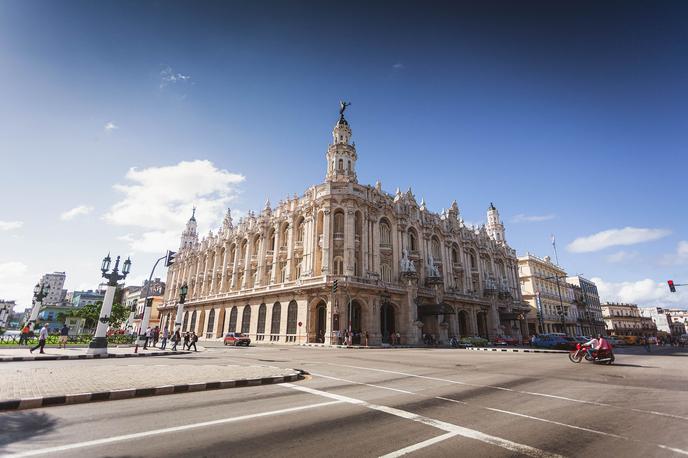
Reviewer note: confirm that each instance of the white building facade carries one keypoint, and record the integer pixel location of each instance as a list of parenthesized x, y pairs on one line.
[(56, 293), (399, 268)]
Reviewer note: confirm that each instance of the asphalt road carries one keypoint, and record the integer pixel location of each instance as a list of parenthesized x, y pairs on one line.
[(425, 402)]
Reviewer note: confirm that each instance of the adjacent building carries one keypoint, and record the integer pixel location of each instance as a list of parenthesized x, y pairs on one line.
[(6, 308), (81, 298), (153, 292), (56, 292), (551, 298), (587, 299), (398, 267), (626, 320)]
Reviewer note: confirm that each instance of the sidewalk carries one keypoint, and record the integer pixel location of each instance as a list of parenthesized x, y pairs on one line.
[(23, 354), (40, 387)]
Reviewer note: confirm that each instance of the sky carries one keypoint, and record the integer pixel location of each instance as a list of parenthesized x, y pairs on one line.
[(116, 118)]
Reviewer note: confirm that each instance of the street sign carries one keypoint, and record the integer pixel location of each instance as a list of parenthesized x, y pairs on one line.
[(300, 324)]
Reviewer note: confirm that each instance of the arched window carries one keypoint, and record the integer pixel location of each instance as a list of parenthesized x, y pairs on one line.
[(340, 165), (283, 272), (339, 223), (276, 316), (232, 320), (454, 255), (338, 265), (474, 265), (262, 310), (348, 166), (299, 265), (413, 246), (246, 320), (291, 317), (386, 271), (271, 243), (211, 321), (385, 234), (192, 326), (186, 320)]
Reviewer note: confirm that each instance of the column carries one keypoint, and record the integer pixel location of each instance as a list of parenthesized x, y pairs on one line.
[(275, 256), (247, 262), (235, 264), (365, 249), (223, 279), (213, 271), (262, 249), (290, 248), (326, 247), (349, 242)]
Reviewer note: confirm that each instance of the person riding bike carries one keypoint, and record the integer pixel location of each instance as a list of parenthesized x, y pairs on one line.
[(599, 344)]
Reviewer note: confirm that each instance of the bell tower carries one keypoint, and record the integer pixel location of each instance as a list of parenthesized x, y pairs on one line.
[(341, 154), (495, 228), (190, 234)]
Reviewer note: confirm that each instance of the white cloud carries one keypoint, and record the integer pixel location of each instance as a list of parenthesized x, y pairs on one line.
[(76, 211), (168, 76), (521, 218), (615, 237), (153, 241), (679, 257), (645, 293), (398, 66), (110, 126), (12, 269), (622, 256), (10, 225), (159, 200)]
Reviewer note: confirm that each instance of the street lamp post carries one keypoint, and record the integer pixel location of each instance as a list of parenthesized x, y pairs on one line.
[(98, 346), (561, 301), (40, 291), (147, 307), (180, 307)]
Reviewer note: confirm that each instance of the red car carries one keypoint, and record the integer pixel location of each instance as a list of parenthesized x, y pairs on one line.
[(506, 340), (236, 339)]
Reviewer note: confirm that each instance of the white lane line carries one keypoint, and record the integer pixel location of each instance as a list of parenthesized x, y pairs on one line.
[(155, 432), (508, 412), (444, 426), (501, 388), (419, 445)]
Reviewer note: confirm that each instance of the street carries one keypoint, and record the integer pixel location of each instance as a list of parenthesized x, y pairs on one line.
[(426, 402)]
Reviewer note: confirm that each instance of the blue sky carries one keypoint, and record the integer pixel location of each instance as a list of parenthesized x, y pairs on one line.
[(571, 118)]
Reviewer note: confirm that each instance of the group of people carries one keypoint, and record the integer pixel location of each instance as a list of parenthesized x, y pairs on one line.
[(27, 333), (153, 335)]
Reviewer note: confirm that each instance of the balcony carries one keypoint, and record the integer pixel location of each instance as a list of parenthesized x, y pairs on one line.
[(338, 236)]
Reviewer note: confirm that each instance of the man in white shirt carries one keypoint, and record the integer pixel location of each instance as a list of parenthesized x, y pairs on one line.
[(42, 337)]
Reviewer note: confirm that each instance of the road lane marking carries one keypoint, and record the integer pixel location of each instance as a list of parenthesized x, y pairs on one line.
[(508, 412), (439, 424), (501, 388), (420, 445), (155, 432)]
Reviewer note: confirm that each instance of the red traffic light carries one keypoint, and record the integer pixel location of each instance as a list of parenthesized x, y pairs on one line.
[(672, 288)]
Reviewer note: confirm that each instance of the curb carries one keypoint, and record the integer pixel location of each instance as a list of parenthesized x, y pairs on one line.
[(515, 350), (114, 395), (358, 347), (7, 359)]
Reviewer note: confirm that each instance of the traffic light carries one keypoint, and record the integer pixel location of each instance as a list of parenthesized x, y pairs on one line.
[(672, 288), (334, 287), (169, 258)]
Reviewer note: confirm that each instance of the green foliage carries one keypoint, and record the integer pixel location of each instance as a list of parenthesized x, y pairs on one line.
[(118, 315), (91, 313), (474, 341)]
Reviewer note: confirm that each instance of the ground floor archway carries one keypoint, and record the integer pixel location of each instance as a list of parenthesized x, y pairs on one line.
[(463, 323), (387, 321), (482, 324)]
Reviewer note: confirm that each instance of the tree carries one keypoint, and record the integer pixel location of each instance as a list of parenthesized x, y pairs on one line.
[(118, 315), (91, 313)]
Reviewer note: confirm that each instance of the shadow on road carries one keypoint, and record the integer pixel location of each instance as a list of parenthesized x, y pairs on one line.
[(24, 425), (632, 365)]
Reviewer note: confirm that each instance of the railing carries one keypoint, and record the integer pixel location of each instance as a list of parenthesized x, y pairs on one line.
[(274, 337), (338, 236)]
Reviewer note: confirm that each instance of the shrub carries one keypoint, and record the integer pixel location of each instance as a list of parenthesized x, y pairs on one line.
[(474, 341)]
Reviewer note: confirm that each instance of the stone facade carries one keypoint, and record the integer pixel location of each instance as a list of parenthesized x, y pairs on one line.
[(399, 268), (626, 320)]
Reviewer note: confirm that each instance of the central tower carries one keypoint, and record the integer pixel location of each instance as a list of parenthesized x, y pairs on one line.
[(341, 154)]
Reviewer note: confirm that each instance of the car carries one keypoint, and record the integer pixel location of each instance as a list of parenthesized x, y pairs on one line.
[(506, 340), (615, 341), (555, 341), (236, 339), (630, 340)]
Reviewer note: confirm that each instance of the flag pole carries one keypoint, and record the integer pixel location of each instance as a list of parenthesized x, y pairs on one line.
[(554, 245)]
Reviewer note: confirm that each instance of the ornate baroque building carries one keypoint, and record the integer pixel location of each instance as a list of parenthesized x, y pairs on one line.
[(398, 267)]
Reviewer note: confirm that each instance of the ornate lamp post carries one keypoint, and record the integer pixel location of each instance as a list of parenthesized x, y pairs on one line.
[(562, 313), (180, 306), (98, 345), (40, 291)]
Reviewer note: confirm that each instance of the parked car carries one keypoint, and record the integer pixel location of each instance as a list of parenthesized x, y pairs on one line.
[(615, 341), (630, 340), (506, 340), (555, 342), (236, 339)]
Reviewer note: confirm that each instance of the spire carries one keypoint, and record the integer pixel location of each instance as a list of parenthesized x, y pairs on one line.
[(193, 214), (227, 222), (341, 154), (495, 228), (190, 234)]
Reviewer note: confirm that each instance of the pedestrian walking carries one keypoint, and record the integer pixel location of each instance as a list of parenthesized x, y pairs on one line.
[(64, 336), (398, 339), (163, 342), (41, 339), (366, 338), (186, 341), (155, 333), (193, 340), (24, 336), (175, 340), (147, 337)]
